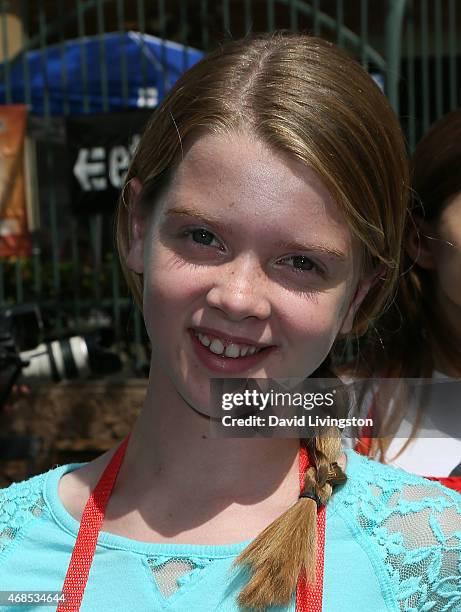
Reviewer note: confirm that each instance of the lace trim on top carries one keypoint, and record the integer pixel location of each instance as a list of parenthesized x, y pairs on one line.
[(20, 503), (416, 527), (173, 574)]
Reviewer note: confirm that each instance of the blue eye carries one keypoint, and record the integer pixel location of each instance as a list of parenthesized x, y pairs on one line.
[(302, 263), (201, 236)]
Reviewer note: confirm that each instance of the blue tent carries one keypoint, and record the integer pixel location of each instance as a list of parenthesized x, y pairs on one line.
[(72, 72)]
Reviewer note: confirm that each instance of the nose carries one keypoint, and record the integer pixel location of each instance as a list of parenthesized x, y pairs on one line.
[(240, 290)]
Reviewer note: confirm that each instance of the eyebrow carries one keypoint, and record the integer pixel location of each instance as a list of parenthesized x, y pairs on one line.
[(289, 245)]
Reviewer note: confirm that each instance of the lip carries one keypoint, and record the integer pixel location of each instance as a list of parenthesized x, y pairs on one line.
[(228, 339), (227, 365)]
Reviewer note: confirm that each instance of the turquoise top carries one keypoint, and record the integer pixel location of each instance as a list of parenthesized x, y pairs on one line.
[(392, 542)]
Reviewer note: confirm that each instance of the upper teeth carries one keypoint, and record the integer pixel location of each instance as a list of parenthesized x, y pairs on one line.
[(232, 350)]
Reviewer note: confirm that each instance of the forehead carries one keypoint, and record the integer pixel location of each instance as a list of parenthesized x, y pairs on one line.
[(247, 183)]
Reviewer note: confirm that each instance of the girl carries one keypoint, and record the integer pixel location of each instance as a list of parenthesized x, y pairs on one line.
[(421, 334), (261, 222)]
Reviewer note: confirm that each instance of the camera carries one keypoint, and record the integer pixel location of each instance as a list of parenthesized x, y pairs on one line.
[(21, 351)]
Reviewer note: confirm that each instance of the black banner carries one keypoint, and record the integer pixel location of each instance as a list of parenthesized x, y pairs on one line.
[(100, 148)]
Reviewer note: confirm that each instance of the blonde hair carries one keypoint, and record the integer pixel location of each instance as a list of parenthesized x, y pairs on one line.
[(306, 98)]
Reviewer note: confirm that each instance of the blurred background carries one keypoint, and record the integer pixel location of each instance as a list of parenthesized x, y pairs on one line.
[(78, 81)]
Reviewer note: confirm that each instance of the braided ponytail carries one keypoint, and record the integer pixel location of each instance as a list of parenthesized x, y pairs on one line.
[(288, 546)]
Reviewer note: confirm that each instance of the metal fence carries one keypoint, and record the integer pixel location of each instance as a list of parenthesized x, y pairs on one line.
[(411, 46)]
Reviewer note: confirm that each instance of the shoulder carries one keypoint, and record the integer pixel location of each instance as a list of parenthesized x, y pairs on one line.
[(361, 467), (411, 527), (20, 495), (390, 489), (20, 504)]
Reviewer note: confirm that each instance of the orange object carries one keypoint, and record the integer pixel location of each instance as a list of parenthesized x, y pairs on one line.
[(14, 233)]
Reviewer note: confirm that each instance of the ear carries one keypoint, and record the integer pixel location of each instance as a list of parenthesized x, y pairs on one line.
[(419, 246), (137, 227), (361, 291)]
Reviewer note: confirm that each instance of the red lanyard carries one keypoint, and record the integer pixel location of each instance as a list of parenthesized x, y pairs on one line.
[(308, 598)]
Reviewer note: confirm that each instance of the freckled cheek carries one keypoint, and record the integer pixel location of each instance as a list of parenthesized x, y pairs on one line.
[(168, 302), (308, 327), (313, 320)]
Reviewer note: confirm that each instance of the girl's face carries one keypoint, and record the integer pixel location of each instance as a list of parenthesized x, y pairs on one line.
[(247, 248)]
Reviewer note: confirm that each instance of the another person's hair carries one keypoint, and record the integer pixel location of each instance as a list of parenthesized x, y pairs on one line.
[(306, 98), (412, 333)]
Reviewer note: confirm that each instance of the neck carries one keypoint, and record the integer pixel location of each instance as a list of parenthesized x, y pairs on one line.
[(170, 449)]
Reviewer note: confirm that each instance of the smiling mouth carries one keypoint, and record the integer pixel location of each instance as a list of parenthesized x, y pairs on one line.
[(224, 364), (222, 348)]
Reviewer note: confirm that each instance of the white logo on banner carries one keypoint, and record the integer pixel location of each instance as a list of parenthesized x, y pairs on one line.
[(95, 167)]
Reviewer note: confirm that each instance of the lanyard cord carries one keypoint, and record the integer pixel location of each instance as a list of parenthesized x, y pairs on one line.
[(87, 537), (308, 597)]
